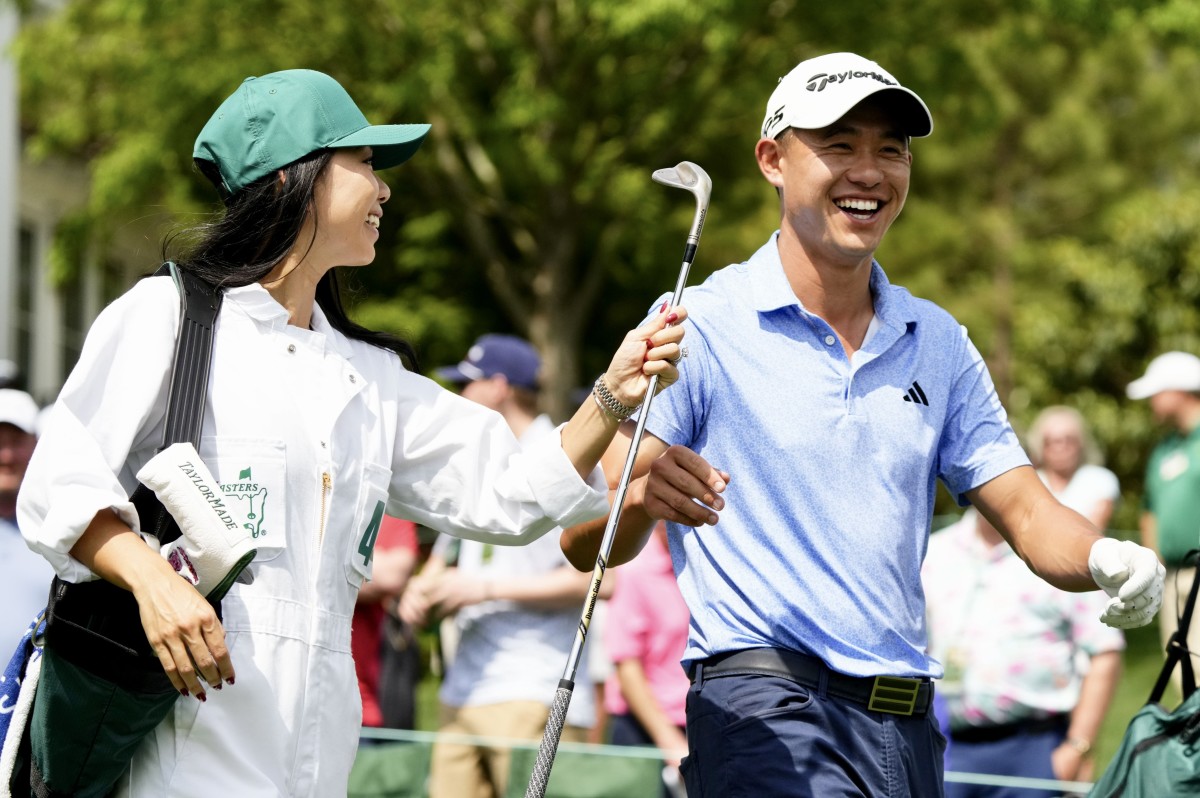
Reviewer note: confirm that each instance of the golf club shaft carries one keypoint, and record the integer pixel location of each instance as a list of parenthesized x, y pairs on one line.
[(540, 776)]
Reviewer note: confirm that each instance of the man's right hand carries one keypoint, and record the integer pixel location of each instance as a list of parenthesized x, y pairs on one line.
[(1132, 576), (683, 488)]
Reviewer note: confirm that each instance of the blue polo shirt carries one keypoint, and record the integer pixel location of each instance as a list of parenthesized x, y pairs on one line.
[(832, 466)]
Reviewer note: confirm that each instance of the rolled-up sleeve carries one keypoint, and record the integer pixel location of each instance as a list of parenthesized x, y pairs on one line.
[(109, 407)]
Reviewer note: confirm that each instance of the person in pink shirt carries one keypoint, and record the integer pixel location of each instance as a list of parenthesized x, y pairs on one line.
[(646, 634)]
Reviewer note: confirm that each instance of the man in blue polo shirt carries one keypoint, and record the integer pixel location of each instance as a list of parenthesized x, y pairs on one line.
[(832, 402)]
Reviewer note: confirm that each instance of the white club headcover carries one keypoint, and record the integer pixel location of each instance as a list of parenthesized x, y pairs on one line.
[(216, 545), (1133, 578)]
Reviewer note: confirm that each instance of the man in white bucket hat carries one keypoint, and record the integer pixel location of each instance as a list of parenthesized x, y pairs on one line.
[(1170, 521)]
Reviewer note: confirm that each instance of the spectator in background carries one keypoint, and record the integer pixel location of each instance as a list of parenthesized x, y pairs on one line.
[(517, 607), (1069, 462), (1170, 521), (1009, 641), (385, 650), (645, 638), (24, 576)]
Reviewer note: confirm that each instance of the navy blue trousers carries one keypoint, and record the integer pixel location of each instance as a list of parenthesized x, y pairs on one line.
[(1026, 755), (766, 736)]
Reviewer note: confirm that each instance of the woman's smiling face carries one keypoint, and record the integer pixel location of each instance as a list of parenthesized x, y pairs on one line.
[(348, 204)]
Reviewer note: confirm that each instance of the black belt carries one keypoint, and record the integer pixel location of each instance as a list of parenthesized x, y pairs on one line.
[(1002, 731), (897, 695)]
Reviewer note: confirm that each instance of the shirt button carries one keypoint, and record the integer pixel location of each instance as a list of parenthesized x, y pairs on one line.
[(291, 348), (352, 378), (829, 339), (322, 444)]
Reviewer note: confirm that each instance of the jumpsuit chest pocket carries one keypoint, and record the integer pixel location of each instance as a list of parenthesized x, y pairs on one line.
[(252, 475), (368, 519)]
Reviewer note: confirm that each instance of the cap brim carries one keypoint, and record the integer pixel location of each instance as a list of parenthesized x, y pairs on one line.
[(1141, 389), (393, 144), (915, 116), (452, 374)]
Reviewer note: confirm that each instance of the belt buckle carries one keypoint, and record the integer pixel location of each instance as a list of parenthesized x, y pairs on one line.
[(894, 694)]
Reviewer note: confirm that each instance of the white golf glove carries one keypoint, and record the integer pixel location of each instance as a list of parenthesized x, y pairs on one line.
[(1133, 578), (215, 546)]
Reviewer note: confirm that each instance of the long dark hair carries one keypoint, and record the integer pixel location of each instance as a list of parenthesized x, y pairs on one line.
[(260, 226)]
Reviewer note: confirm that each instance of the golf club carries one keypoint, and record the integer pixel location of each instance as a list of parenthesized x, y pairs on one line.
[(690, 177)]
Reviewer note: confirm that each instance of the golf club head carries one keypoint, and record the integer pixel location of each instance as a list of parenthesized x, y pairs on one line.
[(689, 177)]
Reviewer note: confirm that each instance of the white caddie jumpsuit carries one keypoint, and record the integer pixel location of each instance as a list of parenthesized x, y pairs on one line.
[(315, 435)]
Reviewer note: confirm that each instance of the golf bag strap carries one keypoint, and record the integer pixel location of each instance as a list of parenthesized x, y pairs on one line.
[(199, 303), (1177, 646)]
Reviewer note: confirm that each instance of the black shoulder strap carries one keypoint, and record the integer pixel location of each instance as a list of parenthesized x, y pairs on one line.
[(1177, 646), (199, 303)]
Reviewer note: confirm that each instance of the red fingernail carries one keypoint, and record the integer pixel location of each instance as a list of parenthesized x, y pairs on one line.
[(202, 697), (183, 692), (674, 317), (663, 308), (229, 680), (649, 344)]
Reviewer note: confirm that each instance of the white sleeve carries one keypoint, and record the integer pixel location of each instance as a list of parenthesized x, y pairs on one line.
[(458, 469), (104, 425), (1105, 484)]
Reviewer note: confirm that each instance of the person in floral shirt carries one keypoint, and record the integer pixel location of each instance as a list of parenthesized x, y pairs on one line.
[(1019, 702)]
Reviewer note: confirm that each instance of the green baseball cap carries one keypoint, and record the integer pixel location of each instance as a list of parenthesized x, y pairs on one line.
[(275, 119)]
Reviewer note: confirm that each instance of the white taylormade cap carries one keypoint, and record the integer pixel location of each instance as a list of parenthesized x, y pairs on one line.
[(821, 90), (1172, 371)]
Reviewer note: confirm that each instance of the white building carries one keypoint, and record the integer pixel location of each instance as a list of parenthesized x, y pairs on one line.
[(42, 323)]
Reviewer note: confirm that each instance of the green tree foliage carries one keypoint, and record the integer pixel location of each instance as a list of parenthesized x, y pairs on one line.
[(1053, 207), (1052, 211), (530, 206)]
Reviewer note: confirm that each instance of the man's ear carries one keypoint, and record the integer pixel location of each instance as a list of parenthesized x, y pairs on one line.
[(768, 153)]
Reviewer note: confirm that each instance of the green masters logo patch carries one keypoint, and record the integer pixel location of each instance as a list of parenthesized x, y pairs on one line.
[(253, 498)]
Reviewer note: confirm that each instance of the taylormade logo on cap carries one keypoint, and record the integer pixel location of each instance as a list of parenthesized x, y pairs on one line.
[(821, 90), (819, 82)]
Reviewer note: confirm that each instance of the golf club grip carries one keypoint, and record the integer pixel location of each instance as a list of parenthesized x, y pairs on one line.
[(540, 777)]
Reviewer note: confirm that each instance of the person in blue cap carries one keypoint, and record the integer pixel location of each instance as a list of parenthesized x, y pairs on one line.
[(317, 424), (511, 611)]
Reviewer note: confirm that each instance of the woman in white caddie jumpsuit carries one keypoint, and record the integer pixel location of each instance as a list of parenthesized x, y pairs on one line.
[(312, 426)]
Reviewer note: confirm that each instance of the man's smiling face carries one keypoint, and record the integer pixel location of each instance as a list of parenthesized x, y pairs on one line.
[(844, 185)]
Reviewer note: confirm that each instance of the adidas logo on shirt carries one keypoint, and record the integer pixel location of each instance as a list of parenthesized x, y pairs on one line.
[(915, 394)]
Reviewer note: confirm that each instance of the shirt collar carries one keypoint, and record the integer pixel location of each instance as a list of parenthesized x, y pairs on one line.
[(771, 290), (259, 305)]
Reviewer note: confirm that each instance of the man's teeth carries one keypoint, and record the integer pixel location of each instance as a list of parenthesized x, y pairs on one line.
[(373, 220), (858, 204)]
